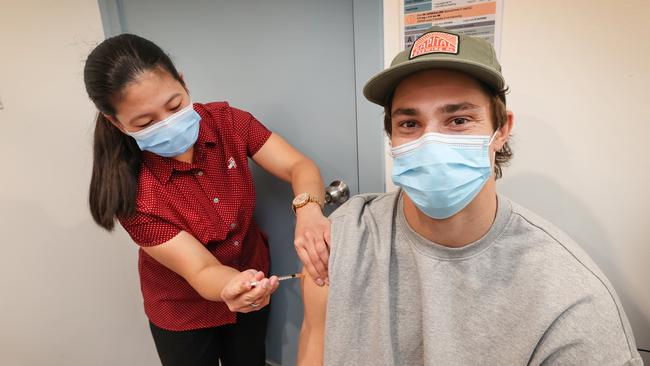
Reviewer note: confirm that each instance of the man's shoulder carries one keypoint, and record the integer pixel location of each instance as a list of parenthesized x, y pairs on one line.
[(542, 236), (551, 245), (569, 275), (361, 226), (372, 205)]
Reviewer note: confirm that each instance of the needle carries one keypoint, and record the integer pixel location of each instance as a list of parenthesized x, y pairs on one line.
[(281, 278)]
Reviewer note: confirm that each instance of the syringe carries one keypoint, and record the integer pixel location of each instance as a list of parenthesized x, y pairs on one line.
[(281, 278)]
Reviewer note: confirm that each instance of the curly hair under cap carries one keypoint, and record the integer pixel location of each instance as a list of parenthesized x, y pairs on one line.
[(499, 114)]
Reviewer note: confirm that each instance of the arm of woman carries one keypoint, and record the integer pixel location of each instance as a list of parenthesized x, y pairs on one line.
[(312, 333), (187, 257), (312, 234)]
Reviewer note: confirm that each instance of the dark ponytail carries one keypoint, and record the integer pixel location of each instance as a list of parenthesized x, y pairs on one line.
[(110, 67), (114, 180)]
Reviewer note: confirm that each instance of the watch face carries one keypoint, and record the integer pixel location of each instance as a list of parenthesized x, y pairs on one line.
[(301, 199)]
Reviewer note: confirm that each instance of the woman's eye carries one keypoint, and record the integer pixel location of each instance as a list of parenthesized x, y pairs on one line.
[(177, 107)]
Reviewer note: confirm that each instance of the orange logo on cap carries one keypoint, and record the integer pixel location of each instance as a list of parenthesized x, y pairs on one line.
[(435, 42)]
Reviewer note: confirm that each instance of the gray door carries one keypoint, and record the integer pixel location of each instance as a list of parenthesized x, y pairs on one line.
[(298, 66)]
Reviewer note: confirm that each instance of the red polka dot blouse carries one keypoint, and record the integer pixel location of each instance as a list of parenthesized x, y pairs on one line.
[(213, 199)]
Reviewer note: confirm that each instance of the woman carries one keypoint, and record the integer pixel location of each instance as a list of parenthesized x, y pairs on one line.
[(175, 174)]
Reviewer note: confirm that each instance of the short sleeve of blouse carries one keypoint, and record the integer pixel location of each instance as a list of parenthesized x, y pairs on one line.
[(147, 230), (250, 130)]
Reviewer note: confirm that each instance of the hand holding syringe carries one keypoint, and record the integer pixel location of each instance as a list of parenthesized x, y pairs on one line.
[(241, 296), (254, 292)]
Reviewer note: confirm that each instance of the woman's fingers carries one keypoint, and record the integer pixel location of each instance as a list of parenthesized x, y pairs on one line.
[(323, 252), (249, 291), (238, 285), (263, 289), (307, 263), (312, 242), (328, 245), (313, 249), (258, 296), (259, 304), (327, 235), (301, 250), (312, 246), (275, 282)]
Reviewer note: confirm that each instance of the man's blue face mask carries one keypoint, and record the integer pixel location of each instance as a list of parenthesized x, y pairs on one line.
[(172, 136), (442, 173)]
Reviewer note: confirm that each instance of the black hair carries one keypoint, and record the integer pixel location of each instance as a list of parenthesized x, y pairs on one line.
[(109, 68)]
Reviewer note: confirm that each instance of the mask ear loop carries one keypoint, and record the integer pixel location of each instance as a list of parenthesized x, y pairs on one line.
[(494, 135)]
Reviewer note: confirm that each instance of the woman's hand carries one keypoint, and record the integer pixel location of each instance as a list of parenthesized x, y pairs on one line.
[(312, 241), (240, 295), (312, 228)]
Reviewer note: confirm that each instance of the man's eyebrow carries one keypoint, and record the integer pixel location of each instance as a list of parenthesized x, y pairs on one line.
[(405, 112), (452, 108)]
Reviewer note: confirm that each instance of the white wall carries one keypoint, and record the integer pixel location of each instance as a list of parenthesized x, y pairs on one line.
[(579, 75), (70, 292)]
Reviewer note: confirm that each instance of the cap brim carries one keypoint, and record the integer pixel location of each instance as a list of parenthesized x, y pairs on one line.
[(381, 85)]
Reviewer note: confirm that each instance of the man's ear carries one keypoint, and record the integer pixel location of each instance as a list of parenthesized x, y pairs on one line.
[(115, 122), (504, 132)]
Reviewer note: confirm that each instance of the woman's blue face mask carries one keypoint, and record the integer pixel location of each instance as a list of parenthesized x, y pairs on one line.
[(442, 173), (172, 136)]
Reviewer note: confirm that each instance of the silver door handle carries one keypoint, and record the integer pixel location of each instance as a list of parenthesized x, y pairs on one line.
[(337, 193)]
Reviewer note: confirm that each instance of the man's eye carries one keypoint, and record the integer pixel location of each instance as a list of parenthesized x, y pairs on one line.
[(177, 107), (459, 121), (408, 124)]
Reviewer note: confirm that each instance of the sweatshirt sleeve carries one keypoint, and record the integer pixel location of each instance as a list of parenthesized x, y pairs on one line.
[(589, 332)]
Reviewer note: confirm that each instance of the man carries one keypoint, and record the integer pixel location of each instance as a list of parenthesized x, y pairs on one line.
[(445, 271)]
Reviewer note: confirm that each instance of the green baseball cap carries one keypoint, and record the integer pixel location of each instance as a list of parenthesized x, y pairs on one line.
[(438, 48)]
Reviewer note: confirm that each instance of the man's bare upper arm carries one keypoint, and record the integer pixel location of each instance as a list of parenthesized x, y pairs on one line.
[(314, 299), (312, 335)]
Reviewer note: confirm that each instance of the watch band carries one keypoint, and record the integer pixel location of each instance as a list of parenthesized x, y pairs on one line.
[(309, 198)]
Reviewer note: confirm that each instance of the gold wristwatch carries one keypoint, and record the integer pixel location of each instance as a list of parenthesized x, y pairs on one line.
[(303, 199)]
